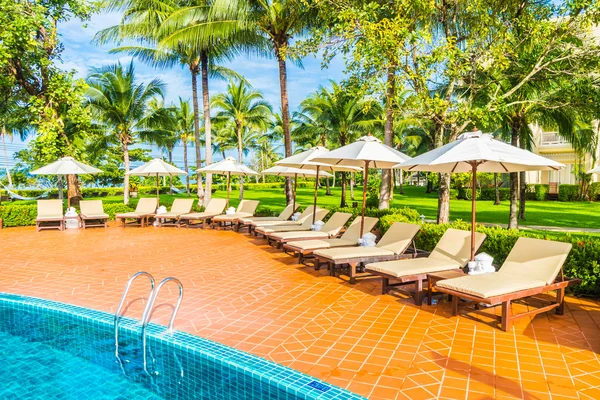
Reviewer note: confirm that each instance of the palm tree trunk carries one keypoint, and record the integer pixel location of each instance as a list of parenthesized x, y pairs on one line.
[(514, 179), (352, 186), (73, 192), (497, 190), (522, 194), (343, 197), (194, 72), (240, 155), (207, 125), (285, 117), (8, 176), (170, 176), (185, 165), (327, 187), (443, 212), (126, 179), (388, 138)]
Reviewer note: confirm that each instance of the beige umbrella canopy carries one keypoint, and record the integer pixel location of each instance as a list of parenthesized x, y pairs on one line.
[(66, 166), (595, 170), (368, 152), (294, 173), (228, 166), (306, 160), (156, 167), (475, 151)]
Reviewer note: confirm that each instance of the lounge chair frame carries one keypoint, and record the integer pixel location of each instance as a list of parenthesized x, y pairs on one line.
[(40, 227), (96, 222), (507, 318), (305, 253), (172, 220), (350, 264), (187, 222)]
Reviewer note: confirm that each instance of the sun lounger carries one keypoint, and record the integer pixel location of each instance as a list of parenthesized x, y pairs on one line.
[(451, 252), (305, 248), (179, 208), (245, 209), (285, 215), (145, 209), (532, 267), (92, 214), (330, 229), (307, 213), (49, 211), (215, 207), (392, 246), (305, 226)]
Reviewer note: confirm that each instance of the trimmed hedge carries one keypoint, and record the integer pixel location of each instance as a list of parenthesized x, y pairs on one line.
[(24, 214), (583, 261), (568, 192)]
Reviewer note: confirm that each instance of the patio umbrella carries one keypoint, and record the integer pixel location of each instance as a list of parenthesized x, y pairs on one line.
[(228, 166), (595, 170), (156, 167), (305, 160), (367, 152), (66, 166), (294, 173), (473, 152)]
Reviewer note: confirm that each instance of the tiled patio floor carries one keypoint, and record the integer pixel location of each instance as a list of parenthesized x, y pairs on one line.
[(242, 293)]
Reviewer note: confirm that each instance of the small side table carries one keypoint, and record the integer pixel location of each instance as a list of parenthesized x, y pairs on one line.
[(75, 218), (439, 276)]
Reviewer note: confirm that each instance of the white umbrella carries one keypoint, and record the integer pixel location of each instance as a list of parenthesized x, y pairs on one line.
[(474, 151), (368, 151), (294, 173), (66, 166), (228, 166), (156, 167), (595, 170), (305, 160)]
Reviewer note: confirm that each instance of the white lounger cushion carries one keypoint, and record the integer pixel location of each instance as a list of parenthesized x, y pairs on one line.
[(414, 266), (321, 244), (342, 253), (490, 285), (266, 230), (231, 217), (293, 235)]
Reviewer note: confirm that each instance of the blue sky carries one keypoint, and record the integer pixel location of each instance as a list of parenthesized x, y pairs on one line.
[(80, 54)]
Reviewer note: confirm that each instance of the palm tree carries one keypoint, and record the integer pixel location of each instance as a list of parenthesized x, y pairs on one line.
[(11, 124), (247, 113), (143, 22), (184, 120), (252, 24), (122, 107), (338, 118)]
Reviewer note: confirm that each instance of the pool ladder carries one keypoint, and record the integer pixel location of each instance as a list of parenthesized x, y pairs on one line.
[(154, 291)]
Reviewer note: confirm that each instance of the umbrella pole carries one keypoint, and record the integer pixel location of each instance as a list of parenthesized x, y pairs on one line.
[(316, 191), (364, 204), (228, 188), (157, 197), (295, 186), (473, 209)]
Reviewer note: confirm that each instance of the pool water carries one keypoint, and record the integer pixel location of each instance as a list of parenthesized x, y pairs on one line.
[(51, 350)]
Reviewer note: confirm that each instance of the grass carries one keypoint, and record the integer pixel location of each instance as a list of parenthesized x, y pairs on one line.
[(540, 213)]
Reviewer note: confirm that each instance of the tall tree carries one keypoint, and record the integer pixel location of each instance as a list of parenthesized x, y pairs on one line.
[(247, 112), (184, 119), (121, 106)]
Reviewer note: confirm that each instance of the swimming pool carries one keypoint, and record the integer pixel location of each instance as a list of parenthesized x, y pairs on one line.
[(57, 351)]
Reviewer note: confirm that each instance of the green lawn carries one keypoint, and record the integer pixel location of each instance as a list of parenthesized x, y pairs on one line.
[(542, 213)]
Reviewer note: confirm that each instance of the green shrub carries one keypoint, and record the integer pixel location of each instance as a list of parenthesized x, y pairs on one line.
[(595, 191), (490, 194), (265, 212), (583, 261), (568, 192), (18, 215), (541, 191), (115, 208), (387, 220)]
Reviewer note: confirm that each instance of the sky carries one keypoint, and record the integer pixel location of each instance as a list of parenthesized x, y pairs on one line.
[(80, 54)]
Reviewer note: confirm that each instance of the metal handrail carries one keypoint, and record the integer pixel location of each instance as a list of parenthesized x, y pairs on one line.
[(118, 312), (147, 312)]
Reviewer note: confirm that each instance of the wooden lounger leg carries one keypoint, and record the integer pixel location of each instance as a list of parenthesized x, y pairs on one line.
[(560, 300), (419, 292), (385, 283), (506, 316), (455, 301), (352, 271), (317, 264)]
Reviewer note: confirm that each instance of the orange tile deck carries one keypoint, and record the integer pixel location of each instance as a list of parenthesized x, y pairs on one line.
[(240, 292)]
